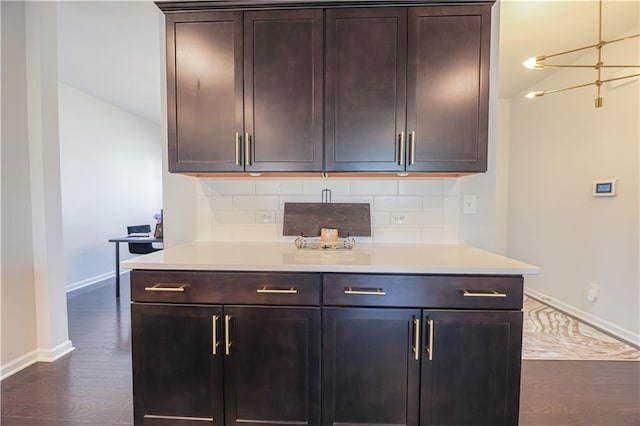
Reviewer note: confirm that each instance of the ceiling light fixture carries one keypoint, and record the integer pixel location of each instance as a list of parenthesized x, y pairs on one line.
[(538, 62)]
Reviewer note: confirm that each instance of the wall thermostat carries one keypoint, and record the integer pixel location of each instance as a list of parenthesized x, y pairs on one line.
[(604, 188)]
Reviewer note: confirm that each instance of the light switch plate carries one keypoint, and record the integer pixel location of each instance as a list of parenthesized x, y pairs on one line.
[(469, 204)]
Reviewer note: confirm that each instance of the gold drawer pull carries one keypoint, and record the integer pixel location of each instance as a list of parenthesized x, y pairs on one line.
[(166, 287), (430, 347), (492, 293), (291, 290), (365, 291), (227, 338), (214, 325), (416, 338)]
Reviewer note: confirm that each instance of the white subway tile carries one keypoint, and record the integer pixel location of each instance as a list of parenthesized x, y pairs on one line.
[(255, 202), (255, 233), (374, 187), (233, 186), (396, 235), (203, 187), (452, 211), (425, 218), (278, 187), (432, 202), (233, 217), (450, 234), (451, 187), (399, 203), (203, 219), (432, 236), (420, 187), (315, 186), (380, 219), (296, 199), (221, 202), (354, 199), (221, 233)]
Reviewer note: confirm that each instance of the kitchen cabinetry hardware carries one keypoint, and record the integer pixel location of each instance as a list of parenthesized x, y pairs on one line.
[(166, 287), (416, 338), (238, 163), (365, 291), (291, 290), (492, 293), (401, 153), (412, 148), (227, 339), (430, 347), (214, 325), (247, 152)]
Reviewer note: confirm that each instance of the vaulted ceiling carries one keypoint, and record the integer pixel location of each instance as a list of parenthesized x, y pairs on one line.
[(111, 49)]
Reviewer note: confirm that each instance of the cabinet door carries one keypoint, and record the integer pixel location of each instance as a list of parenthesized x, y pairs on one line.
[(473, 374), (272, 372), (283, 69), (448, 88), (204, 95), (370, 374), (365, 89), (177, 378)]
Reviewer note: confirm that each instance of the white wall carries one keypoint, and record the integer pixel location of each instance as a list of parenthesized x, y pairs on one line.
[(111, 172), (34, 302), (18, 282), (559, 145)]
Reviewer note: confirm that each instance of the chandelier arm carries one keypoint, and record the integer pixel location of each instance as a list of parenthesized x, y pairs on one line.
[(577, 86), (621, 39), (591, 46), (620, 78)]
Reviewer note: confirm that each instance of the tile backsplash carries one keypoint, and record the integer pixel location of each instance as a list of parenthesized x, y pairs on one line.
[(233, 209)]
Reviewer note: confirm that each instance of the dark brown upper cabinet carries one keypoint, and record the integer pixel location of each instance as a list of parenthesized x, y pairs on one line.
[(366, 71), (407, 89), (245, 91)]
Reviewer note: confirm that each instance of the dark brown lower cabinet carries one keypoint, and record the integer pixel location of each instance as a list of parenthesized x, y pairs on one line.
[(471, 368), (370, 372), (331, 349), (197, 365)]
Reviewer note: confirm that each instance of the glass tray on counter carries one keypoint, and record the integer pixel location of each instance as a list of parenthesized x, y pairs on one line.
[(315, 243)]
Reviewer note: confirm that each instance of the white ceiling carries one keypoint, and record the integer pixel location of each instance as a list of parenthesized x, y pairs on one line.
[(111, 49)]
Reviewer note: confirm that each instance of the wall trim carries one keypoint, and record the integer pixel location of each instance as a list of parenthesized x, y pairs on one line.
[(93, 280), (18, 364), (30, 358), (50, 355), (607, 327)]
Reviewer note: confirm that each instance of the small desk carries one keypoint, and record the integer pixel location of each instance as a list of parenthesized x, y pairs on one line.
[(128, 239)]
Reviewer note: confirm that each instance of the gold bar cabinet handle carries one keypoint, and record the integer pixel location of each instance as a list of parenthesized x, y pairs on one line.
[(238, 163), (416, 338), (266, 290), (166, 287), (365, 292), (401, 149), (247, 149), (492, 293), (227, 340), (412, 148), (430, 347), (214, 324)]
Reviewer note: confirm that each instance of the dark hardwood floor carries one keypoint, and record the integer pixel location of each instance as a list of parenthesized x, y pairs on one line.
[(92, 385)]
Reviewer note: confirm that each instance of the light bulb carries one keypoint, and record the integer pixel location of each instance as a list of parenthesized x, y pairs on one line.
[(532, 95), (530, 63)]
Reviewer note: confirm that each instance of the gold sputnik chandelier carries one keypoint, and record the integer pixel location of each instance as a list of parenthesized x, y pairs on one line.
[(539, 62)]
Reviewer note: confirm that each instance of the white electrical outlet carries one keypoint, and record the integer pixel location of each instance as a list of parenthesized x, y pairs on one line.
[(399, 218), (266, 217), (592, 292), (469, 204)]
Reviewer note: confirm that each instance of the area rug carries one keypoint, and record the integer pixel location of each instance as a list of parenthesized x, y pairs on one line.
[(551, 334)]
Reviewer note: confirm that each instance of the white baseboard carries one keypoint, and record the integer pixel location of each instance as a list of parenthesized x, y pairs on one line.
[(39, 355), (50, 355), (606, 326), (93, 280), (12, 367)]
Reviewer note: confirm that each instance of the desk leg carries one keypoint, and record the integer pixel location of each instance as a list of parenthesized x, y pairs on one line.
[(117, 269)]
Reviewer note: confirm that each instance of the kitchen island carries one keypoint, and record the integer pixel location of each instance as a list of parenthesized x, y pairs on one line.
[(265, 333)]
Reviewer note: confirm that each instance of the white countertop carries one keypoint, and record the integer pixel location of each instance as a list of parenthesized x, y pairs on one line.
[(364, 258)]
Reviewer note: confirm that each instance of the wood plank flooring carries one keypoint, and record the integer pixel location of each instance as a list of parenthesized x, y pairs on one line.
[(92, 385)]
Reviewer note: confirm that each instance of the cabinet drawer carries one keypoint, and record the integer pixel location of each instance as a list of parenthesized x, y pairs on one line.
[(262, 288), (423, 291)]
